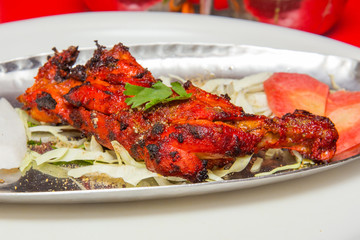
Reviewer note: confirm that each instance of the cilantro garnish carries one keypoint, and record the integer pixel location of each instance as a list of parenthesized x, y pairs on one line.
[(75, 162), (33, 142), (157, 93), (30, 124)]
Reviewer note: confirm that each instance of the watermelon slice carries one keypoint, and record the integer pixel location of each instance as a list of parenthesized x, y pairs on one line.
[(287, 92), (343, 109)]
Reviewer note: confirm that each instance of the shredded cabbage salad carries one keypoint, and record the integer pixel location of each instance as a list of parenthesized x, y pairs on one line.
[(67, 154)]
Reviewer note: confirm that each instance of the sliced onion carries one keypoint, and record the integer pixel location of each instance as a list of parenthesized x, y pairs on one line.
[(12, 137)]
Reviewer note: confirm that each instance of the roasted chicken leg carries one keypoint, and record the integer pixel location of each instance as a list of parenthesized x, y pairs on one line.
[(182, 138)]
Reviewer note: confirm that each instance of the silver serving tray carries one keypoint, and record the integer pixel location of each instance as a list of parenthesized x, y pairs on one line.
[(186, 61)]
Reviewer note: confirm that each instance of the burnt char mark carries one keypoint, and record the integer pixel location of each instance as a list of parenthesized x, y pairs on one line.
[(236, 150), (70, 99), (225, 115), (134, 150), (110, 61), (45, 101), (78, 73), (122, 47), (123, 126), (196, 132), (60, 76), (174, 168), (142, 74), (63, 65), (137, 149), (76, 118), (154, 152), (174, 155), (187, 85), (96, 61), (111, 135), (141, 143), (178, 136), (96, 58), (202, 175), (226, 96), (158, 128)]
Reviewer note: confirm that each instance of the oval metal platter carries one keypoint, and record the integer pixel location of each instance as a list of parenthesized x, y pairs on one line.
[(186, 61)]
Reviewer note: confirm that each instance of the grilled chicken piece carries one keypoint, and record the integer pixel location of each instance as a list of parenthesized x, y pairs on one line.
[(182, 138)]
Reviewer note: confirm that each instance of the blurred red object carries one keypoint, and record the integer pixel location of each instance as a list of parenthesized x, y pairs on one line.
[(218, 4), (347, 28), (316, 16), (120, 5), (12, 10)]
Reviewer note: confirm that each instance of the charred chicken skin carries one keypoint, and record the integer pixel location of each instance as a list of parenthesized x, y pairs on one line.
[(183, 138)]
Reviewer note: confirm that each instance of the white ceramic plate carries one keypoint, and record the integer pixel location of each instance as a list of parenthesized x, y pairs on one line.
[(322, 206), (187, 61)]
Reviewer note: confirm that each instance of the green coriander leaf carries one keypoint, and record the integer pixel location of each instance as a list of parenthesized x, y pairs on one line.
[(158, 93), (33, 142), (153, 103), (132, 89), (75, 162), (180, 90), (30, 124), (142, 95)]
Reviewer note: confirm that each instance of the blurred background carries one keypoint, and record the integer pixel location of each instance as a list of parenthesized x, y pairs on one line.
[(337, 19)]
